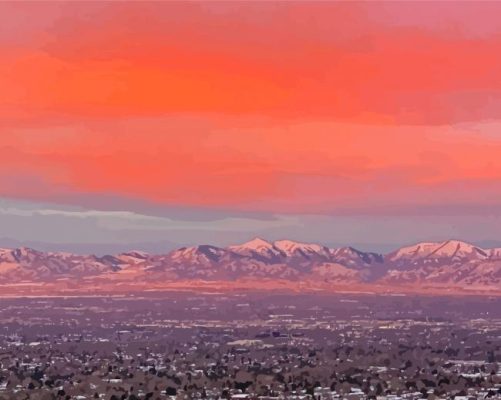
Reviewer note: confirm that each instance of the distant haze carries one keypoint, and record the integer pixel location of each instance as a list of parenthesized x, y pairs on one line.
[(54, 227)]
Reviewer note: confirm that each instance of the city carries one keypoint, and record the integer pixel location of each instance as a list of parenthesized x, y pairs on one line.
[(250, 346)]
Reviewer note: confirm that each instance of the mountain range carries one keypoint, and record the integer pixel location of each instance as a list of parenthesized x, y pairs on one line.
[(451, 264)]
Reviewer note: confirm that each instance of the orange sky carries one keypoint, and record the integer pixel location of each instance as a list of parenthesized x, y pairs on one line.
[(276, 107)]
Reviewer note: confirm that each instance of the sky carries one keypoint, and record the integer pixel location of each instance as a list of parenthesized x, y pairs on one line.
[(138, 125)]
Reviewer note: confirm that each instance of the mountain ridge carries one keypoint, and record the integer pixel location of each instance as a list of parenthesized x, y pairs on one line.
[(451, 263)]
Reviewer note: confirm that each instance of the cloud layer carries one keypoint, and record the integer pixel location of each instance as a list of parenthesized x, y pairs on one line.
[(252, 111)]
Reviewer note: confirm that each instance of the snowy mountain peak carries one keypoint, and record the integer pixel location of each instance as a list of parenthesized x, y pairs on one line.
[(289, 247), (259, 249), (197, 251), (346, 250), (352, 256), (417, 250), (255, 244)]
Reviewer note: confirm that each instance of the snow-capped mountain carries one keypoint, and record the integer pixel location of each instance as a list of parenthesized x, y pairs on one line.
[(25, 264), (435, 253), (450, 263), (446, 264)]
